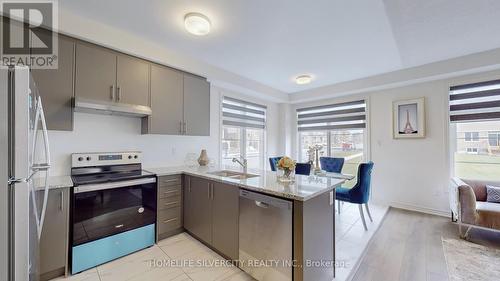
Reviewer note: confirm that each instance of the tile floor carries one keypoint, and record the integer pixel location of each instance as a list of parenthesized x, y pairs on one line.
[(171, 256), (352, 239)]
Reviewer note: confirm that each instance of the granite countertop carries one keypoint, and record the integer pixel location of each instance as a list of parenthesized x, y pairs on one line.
[(55, 182), (304, 187)]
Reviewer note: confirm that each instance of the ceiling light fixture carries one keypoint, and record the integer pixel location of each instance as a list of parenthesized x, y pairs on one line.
[(303, 79), (197, 24)]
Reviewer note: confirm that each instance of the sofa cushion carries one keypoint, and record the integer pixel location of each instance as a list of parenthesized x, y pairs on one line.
[(488, 214), (492, 194), (479, 187)]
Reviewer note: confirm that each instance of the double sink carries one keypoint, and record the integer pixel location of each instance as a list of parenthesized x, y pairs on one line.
[(233, 174)]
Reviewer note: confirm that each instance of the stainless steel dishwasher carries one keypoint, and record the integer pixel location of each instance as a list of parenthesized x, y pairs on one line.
[(266, 243)]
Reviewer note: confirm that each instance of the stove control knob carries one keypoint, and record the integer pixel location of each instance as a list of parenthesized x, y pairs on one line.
[(89, 158), (135, 157), (80, 159), (130, 157)]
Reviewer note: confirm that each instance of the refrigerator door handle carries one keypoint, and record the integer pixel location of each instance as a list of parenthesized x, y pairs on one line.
[(46, 165), (40, 116)]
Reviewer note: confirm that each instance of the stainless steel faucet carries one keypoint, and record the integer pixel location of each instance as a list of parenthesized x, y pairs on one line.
[(243, 164)]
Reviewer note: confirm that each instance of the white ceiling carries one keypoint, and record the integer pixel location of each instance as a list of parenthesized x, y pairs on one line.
[(272, 41)]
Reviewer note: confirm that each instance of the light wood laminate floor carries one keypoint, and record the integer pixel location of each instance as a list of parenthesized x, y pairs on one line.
[(408, 247)]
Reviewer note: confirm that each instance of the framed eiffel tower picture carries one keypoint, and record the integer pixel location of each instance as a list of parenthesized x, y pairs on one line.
[(408, 119)]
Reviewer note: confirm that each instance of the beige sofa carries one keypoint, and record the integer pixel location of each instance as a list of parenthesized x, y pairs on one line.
[(469, 206)]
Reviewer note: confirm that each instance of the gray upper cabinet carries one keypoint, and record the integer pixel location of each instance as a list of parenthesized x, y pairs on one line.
[(225, 219), (196, 106), (180, 104), (132, 84), (166, 102), (95, 72), (55, 233), (56, 86)]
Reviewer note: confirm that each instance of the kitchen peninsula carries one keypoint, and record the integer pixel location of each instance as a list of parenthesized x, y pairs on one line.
[(213, 210)]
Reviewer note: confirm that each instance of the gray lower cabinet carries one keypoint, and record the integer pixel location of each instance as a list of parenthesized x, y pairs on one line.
[(132, 81), (56, 86), (211, 212), (169, 216), (225, 219), (199, 209), (196, 106), (166, 102), (95, 75), (55, 234)]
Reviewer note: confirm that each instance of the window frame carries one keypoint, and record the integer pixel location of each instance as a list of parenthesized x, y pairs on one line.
[(243, 136), (329, 142)]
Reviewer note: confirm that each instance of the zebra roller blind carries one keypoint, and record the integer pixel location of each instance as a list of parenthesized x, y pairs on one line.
[(242, 113), (475, 102), (346, 115)]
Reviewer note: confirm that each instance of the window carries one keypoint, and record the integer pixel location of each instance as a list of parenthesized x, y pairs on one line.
[(475, 130), (494, 139), (243, 132), (308, 139), (339, 128), (471, 136), (472, 150)]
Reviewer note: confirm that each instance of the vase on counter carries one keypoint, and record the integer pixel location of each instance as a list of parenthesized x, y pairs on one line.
[(286, 169), (203, 159), (286, 175)]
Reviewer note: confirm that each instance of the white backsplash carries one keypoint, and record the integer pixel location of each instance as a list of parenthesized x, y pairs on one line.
[(104, 133)]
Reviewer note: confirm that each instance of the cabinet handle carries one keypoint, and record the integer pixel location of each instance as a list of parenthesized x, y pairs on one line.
[(181, 128), (170, 204), (112, 92), (170, 220), (209, 191), (62, 201), (169, 192), (167, 181), (119, 94), (185, 128), (189, 184)]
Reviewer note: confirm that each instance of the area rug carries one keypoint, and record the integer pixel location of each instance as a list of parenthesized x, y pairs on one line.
[(471, 262)]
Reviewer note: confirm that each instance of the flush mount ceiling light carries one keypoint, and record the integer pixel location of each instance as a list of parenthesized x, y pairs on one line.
[(303, 79), (197, 24)]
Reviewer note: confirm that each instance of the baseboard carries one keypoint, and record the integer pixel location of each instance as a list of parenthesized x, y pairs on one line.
[(430, 211)]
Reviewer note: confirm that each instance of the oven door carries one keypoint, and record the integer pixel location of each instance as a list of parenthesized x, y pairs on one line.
[(102, 210)]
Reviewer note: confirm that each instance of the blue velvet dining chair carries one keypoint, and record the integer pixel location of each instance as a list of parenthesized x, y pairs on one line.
[(303, 169), (273, 161), (331, 164), (360, 193)]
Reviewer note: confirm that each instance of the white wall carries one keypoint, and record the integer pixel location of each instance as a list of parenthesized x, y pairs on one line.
[(101, 133), (409, 173)]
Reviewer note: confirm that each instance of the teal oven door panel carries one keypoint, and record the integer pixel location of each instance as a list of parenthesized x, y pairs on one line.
[(97, 252)]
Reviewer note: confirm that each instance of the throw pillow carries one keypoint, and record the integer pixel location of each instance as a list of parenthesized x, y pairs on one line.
[(493, 194)]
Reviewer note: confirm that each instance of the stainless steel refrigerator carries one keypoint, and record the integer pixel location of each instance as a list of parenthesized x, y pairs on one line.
[(24, 166)]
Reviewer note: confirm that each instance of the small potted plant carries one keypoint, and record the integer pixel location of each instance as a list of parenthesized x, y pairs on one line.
[(286, 169)]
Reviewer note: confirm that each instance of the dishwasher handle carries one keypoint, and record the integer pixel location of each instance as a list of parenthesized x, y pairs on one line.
[(266, 201), (261, 204)]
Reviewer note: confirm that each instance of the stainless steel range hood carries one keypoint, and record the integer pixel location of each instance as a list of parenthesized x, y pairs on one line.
[(111, 108)]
